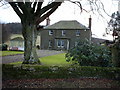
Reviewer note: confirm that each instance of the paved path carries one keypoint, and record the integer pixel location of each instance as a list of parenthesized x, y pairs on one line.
[(41, 53)]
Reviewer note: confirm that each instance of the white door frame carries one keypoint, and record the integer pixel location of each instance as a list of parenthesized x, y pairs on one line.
[(68, 44)]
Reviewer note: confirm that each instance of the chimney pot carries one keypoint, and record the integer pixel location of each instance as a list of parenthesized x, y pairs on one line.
[(90, 22), (47, 21)]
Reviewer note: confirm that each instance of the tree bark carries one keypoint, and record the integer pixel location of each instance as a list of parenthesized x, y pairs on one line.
[(116, 54), (30, 36)]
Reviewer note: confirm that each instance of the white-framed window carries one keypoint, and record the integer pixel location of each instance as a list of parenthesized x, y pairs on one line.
[(50, 32), (77, 32), (63, 32), (60, 43), (50, 43), (76, 43)]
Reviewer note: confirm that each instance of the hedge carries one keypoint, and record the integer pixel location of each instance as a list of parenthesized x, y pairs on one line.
[(39, 71)]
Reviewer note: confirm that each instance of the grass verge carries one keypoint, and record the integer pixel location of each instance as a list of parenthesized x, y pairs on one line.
[(54, 60), (5, 53)]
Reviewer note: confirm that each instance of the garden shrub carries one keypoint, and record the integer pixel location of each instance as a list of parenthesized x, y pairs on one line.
[(89, 54), (3, 47)]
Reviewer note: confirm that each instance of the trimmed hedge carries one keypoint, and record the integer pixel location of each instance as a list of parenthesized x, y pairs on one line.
[(30, 71)]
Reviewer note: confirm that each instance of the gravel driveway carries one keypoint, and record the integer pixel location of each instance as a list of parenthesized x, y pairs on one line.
[(41, 53)]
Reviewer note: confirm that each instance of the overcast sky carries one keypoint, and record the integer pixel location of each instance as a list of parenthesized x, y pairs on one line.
[(70, 11)]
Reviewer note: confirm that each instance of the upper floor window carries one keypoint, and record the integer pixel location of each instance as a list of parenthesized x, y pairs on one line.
[(63, 33), (78, 33), (50, 32)]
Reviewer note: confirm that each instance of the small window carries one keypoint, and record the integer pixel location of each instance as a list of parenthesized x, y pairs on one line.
[(50, 43), (63, 33), (50, 32), (78, 33)]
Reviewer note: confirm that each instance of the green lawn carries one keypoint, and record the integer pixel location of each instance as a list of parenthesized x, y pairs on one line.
[(54, 60), (5, 53)]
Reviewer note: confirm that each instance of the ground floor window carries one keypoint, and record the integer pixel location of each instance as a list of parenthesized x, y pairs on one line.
[(50, 43), (76, 43), (60, 43)]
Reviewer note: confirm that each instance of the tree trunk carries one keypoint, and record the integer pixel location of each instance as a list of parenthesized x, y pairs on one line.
[(30, 36), (116, 54)]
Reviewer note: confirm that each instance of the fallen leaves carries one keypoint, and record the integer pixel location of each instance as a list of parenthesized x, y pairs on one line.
[(61, 83)]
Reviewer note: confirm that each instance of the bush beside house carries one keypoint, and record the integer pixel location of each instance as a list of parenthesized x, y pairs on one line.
[(89, 54)]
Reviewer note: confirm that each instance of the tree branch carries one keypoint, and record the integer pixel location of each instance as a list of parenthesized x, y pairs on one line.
[(38, 8), (48, 7), (16, 9), (23, 7), (28, 4), (34, 5), (39, 20), (78, 4)]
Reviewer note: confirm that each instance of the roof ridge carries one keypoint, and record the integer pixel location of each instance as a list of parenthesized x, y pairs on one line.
[(67, 24)]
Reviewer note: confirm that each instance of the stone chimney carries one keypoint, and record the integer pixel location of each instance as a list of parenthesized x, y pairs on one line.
[(47, 21), (90, 22)]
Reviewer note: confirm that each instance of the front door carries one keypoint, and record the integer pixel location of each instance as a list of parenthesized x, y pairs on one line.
[(62, 44)]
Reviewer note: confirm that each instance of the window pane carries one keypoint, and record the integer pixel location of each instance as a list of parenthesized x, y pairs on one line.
[(76, 43), (63, 32), (50, 43), (62, 43), (59, 43), (78, 33), (50, 32)]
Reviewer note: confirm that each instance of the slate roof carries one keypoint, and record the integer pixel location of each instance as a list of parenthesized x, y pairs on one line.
[(67, 25), (97, 40)]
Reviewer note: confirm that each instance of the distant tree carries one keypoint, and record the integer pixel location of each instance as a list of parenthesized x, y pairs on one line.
[(5, 33), (16, 28), (114, 27), (9, 29)]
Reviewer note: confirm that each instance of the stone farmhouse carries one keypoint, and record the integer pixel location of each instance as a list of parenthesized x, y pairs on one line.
[(64, 35)]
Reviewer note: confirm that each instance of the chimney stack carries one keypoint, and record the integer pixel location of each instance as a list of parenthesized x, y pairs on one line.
[(47, 21), (90, 22)]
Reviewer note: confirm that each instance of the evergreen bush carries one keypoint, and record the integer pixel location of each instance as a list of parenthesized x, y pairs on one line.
[(89, 54)]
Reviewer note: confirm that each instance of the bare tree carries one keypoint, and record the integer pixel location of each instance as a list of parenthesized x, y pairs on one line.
[(5, 33), (114, 27), (31, 15)]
